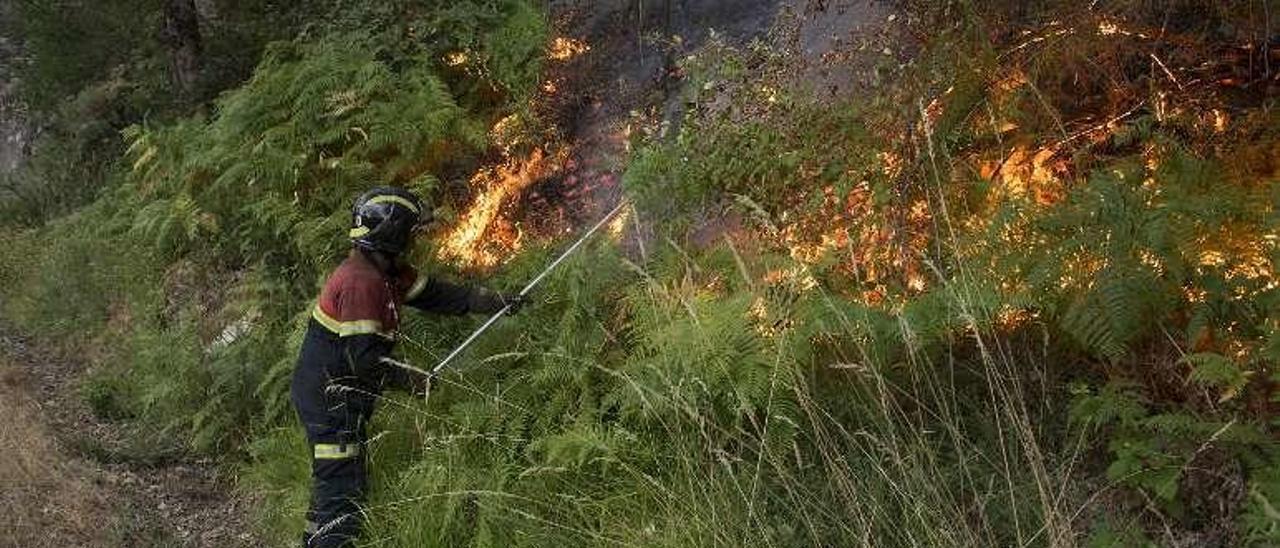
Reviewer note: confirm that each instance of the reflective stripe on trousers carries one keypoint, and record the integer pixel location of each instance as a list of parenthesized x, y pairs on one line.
[(330, 451)]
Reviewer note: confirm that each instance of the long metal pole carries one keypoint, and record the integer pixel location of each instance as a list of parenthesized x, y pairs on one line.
[(527, 288)]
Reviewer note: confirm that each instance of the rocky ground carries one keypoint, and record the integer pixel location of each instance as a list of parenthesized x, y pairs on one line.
[(72, 479)]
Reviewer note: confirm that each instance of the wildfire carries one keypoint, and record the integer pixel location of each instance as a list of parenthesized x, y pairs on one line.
[(1025, 173), (507, 133), (485, 233), (564, 49), (1009, 318), (1220, 121), (482, 237), (878, 252), (766, 324), (456, 58), (1107, 27), (618, 225), (796, 277)]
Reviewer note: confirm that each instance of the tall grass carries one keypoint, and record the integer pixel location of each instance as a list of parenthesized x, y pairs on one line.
[(668, 416)]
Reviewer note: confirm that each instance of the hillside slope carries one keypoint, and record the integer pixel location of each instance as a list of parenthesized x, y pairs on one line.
[(929, 273)]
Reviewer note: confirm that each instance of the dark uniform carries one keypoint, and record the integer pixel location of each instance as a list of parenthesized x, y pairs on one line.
[(339, 375)]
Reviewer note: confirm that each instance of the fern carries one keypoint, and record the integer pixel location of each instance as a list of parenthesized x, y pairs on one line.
[(1218, 372)]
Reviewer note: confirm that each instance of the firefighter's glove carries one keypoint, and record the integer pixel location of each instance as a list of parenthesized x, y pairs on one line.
[(513, 301), (488, 302), (420, 385)]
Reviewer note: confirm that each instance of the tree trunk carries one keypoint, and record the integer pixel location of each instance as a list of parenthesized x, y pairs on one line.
[(181, 33)]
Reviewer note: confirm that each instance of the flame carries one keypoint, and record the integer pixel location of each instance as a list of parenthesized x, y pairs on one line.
[(796, 277), (618, 226), (765, 322), (1026, 173), (769, 93), (1009, 318), (507, 133), (456, 58), (892, 163), (1220, 121), (564, 49), (483, 236), (1212, 257), (1107, 27)]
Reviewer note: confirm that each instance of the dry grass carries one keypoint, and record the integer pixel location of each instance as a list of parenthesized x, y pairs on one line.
[(48, 497)]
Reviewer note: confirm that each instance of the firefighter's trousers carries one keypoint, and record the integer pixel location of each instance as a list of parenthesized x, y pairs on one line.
[(334, 412)]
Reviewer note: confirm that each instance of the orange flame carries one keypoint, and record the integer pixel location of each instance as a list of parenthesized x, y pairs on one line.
[(483, 236), (1035, 174), (877, 251), (618, 226), (563, 49)]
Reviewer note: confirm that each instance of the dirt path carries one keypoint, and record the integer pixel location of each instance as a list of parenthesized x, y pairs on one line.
[(68, 478)]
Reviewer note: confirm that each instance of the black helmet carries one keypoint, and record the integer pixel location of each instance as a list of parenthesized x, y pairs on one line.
[(383, 219)]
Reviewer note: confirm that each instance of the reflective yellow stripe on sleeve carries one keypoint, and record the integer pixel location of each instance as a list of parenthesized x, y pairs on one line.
[(348, 328), (334, 451)]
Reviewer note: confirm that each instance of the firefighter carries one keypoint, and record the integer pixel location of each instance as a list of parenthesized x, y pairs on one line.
[(340, 371)]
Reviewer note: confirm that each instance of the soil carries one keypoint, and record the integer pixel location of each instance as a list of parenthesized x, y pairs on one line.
[(73, 479)]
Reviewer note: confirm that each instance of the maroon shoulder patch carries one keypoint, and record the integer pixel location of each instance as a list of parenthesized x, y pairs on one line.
[(357, 300)]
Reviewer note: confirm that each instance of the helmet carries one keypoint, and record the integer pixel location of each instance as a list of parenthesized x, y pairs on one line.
[(383, 219)]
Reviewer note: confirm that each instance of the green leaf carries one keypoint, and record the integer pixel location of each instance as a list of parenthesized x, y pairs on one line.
[(1218, 372)]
